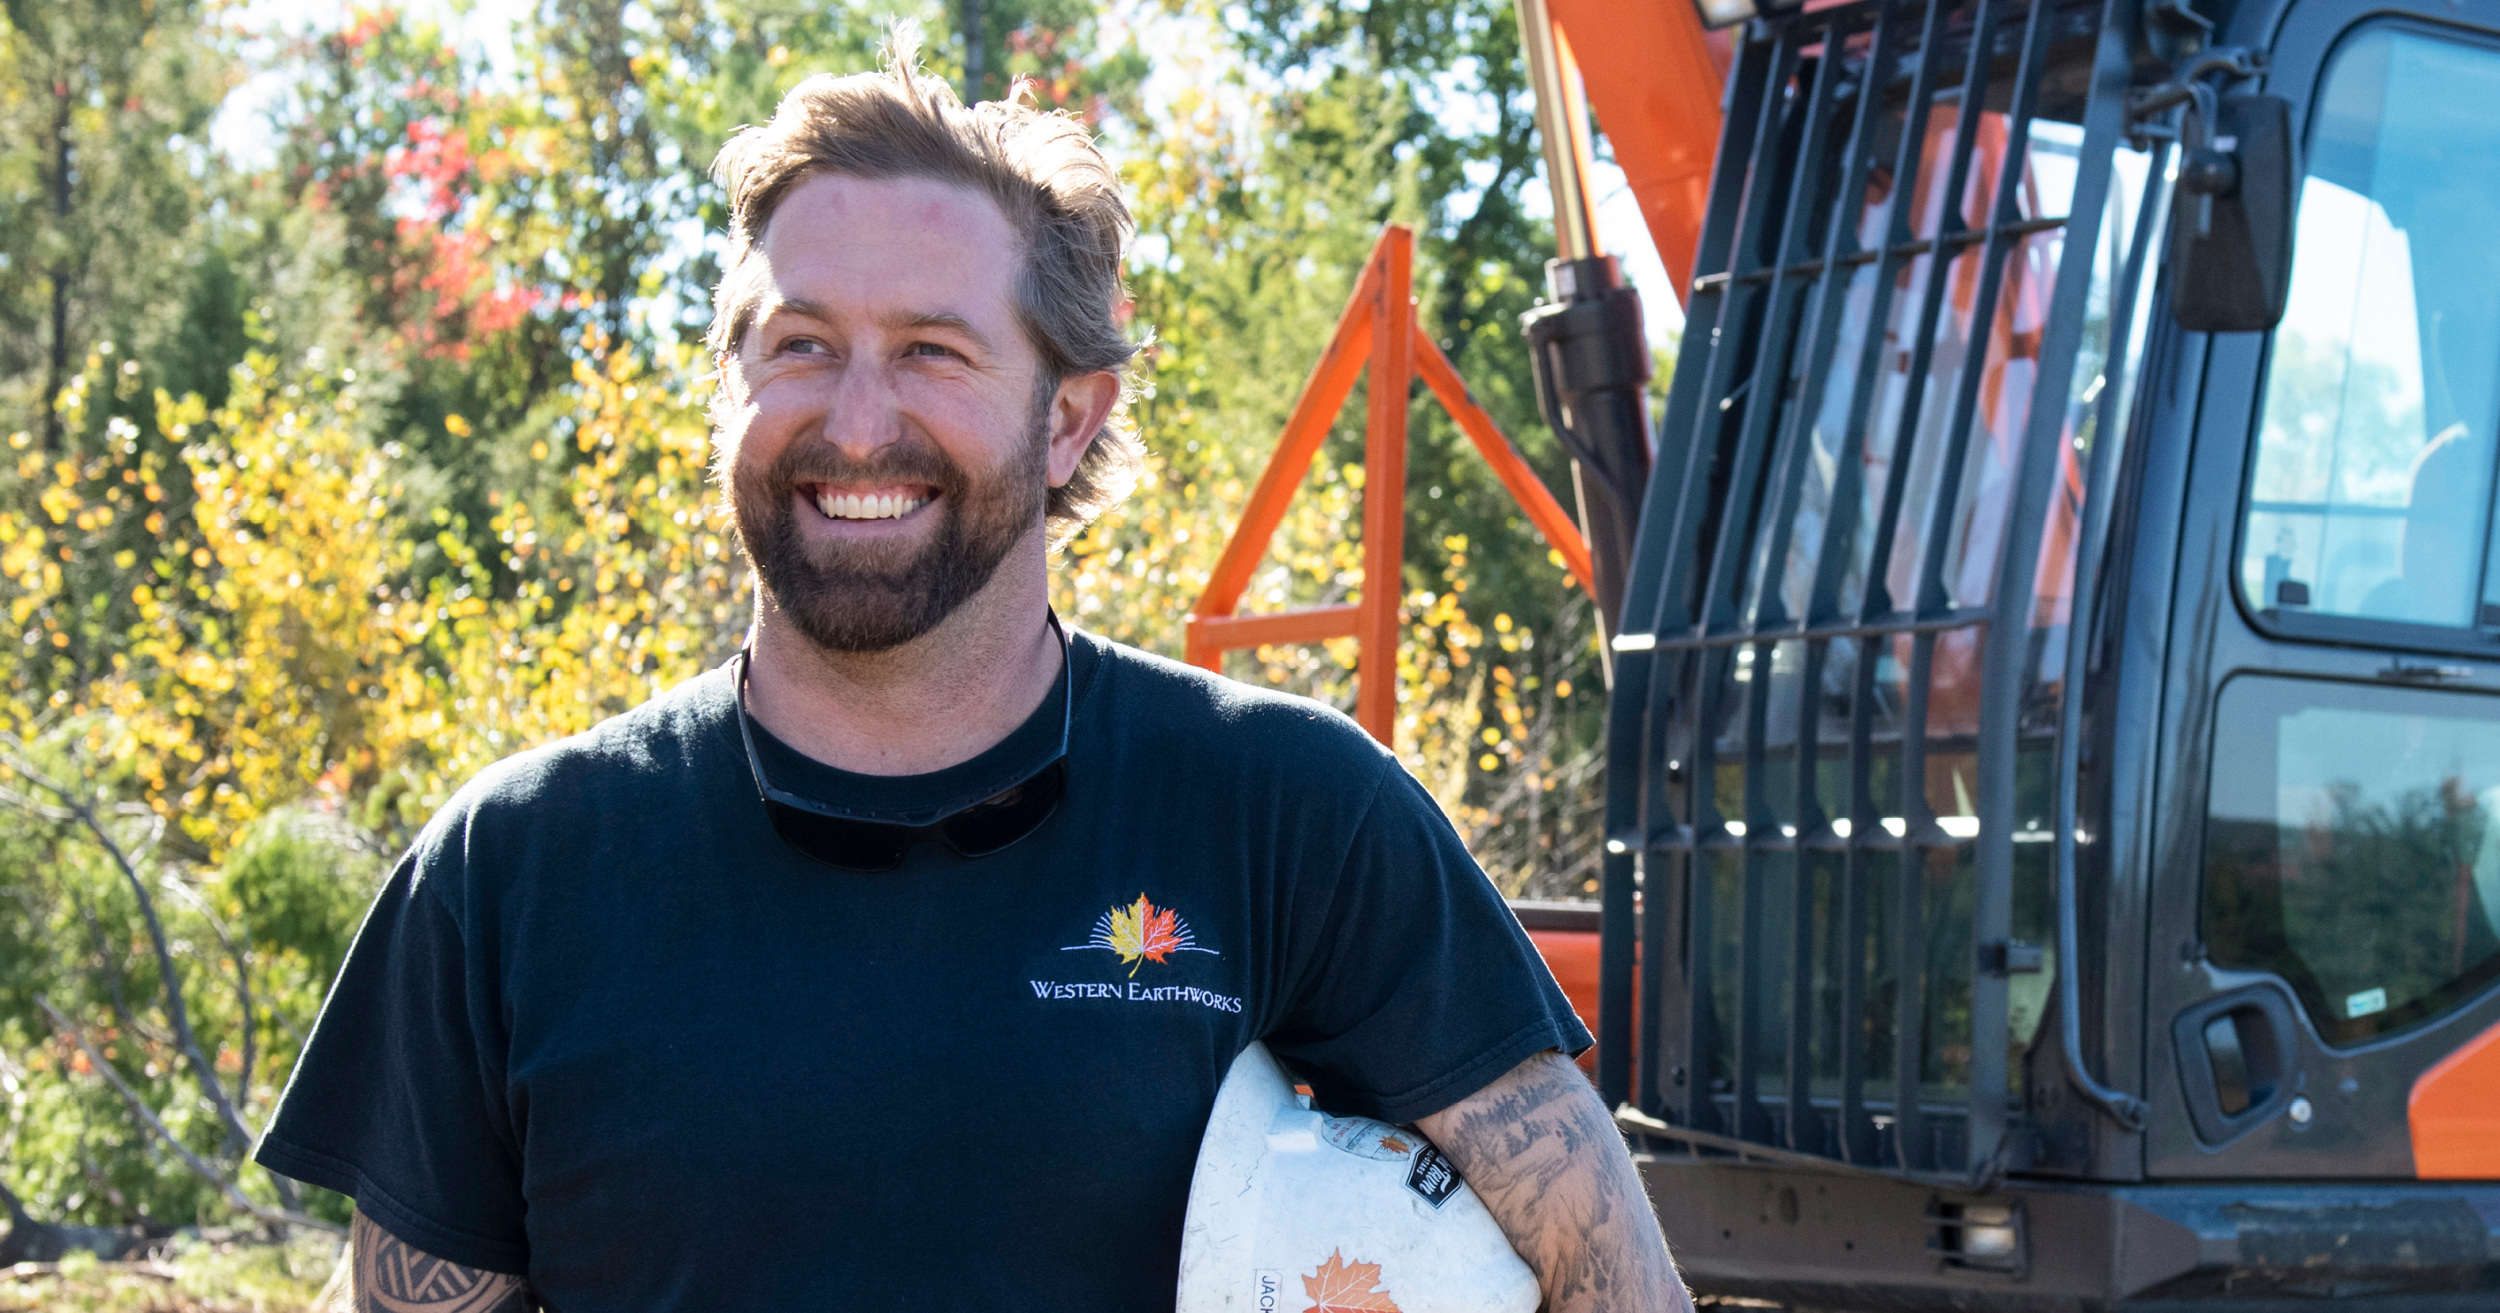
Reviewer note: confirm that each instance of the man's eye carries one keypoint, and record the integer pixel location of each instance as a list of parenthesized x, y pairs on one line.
[(802, 346), (933, 349)]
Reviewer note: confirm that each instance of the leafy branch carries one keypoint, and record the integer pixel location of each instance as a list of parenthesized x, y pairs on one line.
[(67, 806), (148, 1118)]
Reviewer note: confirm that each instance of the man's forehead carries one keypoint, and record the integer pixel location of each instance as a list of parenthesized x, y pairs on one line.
[(912, 206), (888, 246)]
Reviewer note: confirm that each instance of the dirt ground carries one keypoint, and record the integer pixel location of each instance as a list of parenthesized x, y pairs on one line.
[(184, 1275), (227, 1277)]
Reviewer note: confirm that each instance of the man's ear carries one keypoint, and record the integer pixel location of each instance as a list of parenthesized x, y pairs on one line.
[(1078, 412), (727, 383)]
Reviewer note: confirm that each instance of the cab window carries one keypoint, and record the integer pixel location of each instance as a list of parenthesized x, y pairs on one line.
[(2371, 492), (2353, 847)]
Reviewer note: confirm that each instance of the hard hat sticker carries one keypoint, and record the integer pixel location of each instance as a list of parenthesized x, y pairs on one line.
[(1366, 1138), (1342, 1287), (1296, 1211), (1434, 1176)]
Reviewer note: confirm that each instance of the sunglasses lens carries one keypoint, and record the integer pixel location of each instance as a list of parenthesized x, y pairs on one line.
[(875, 846), (989, 826), (848, 845)]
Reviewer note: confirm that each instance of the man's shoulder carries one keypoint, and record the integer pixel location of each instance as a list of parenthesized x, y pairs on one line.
[(1170, 707), (622, 766)]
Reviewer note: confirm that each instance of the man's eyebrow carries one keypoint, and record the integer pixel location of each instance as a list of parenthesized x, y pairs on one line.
[(944, 319), (905, 321), (797, 305)]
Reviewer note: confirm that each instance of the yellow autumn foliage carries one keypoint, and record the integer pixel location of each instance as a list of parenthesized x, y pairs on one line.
[(285, 635), (288, 636)]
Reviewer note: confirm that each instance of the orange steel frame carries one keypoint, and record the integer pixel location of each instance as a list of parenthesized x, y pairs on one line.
[(1377, 333), (1654, 77)]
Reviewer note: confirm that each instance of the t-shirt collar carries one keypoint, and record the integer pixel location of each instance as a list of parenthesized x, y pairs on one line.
[(907, 799)]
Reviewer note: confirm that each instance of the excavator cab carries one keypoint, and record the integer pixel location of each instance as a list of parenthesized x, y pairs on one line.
[(2054, 762)]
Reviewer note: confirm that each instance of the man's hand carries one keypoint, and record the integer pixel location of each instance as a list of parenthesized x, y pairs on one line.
[(393, 1276), (1541, 1152)]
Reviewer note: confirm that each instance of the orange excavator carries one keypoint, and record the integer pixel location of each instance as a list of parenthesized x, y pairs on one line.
[(2053, 635)]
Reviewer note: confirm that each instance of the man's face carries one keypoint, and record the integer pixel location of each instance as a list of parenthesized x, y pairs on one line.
[(887, 438)]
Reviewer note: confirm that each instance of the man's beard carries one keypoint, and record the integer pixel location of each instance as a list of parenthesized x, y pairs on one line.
[(876, 596)]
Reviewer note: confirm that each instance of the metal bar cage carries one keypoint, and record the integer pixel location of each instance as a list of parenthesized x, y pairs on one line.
[(1844, 644)]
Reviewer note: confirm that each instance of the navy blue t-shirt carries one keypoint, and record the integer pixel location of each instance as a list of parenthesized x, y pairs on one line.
[(604, 1028)]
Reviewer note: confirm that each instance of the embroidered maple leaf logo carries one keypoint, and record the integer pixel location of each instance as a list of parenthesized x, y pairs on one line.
[(1142, 932), (1342, 1287)]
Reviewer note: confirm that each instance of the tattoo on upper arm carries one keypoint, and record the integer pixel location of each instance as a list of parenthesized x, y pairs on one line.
[(1541, 1151), (393, 1276), (1521, 1131)]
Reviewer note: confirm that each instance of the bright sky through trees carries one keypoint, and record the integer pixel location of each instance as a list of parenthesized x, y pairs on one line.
[(1178, 49)]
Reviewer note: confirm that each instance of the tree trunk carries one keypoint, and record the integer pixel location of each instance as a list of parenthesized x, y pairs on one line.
[(60, 274), (26, 1240), (976, 52), (29, 1241)]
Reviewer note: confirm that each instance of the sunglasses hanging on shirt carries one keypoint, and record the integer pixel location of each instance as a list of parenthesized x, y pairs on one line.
[(859, 839)]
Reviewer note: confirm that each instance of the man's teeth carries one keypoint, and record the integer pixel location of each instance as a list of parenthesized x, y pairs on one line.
[(853, 506)]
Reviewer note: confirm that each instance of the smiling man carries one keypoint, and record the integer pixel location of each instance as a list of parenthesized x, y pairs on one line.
[(897, 962)]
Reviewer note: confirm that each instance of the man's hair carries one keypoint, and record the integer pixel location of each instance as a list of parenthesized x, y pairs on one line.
[(1057, 191)]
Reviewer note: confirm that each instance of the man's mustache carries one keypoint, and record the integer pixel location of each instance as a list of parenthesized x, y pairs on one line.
[(894, 463)]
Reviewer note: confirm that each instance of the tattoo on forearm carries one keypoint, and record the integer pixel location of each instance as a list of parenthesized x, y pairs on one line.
[(1540, 1150), (393, 1276)]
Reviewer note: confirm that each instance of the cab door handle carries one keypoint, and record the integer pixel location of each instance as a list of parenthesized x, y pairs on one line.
[(2235, 1054)]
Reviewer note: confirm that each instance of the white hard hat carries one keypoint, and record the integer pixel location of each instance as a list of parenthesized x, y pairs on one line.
[(1292, 1210)]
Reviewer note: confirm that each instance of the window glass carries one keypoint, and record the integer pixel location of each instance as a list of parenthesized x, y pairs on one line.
[(1977, 525), (2352, 847), (2371, 491)]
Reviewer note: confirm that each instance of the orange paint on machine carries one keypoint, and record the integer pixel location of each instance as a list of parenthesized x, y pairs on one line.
[(2454, 1113), (1566, 936)]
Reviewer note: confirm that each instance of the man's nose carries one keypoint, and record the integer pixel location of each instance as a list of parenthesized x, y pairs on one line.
[(864, 412)]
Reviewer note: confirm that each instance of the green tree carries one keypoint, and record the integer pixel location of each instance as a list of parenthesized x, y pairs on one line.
[(103, 105), (1416, 113)]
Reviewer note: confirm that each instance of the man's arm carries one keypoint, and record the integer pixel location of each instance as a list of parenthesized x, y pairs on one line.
[(1541, 1152), (393, 1276)]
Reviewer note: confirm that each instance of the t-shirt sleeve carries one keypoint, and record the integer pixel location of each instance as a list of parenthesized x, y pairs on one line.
[(397, 1099), (1422, 988)]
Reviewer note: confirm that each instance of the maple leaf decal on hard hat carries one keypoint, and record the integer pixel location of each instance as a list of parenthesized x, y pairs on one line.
[(1140, 933), (1342, 1287)]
